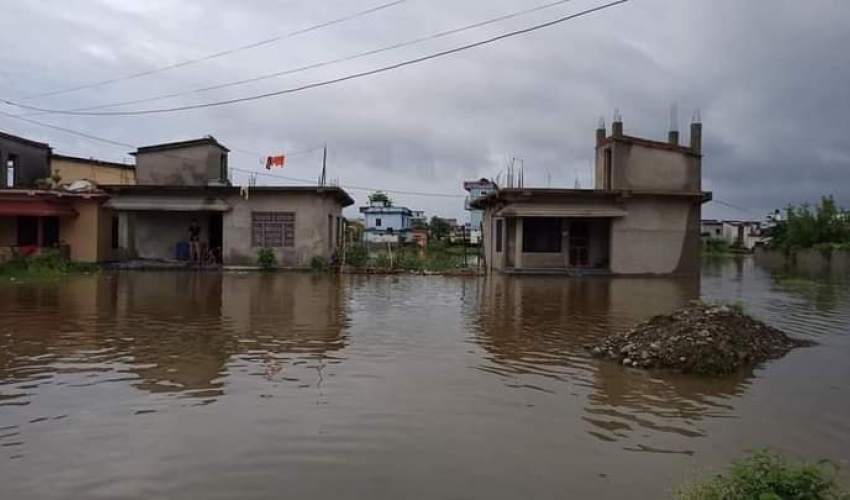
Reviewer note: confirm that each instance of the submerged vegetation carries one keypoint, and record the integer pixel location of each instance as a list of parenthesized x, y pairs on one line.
[(46, 264), (765, 475), (825, 226), (437, 257)]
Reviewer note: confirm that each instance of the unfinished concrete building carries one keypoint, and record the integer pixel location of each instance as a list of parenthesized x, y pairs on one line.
[(185, 182), (641, 218)]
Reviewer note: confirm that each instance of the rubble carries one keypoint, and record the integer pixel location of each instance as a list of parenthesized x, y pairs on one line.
[(699, 339)]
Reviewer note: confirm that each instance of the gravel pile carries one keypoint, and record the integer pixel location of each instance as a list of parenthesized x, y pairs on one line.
[(699, 339)]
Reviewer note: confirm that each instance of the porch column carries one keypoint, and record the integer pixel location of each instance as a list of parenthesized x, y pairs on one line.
[(518, 244), (124, 239)]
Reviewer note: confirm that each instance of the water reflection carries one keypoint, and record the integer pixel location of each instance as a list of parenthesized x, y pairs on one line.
[(165, 332), (539, 328)]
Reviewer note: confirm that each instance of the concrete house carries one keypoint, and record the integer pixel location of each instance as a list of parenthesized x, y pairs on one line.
[(185, 181), (386, 223), (745, 235), (642, 217), (33, 218)]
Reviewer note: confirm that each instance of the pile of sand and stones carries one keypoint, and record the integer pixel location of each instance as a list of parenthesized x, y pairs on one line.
[(699, 339)]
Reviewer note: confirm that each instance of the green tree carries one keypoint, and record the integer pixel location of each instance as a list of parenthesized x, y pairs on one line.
[(380, 196), (804, 227), (439, 229)]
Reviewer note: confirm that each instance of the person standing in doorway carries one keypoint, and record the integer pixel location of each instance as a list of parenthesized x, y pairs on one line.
[(194, 241)]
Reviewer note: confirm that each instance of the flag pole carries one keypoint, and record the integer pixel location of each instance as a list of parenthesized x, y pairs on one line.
[(324, 165)]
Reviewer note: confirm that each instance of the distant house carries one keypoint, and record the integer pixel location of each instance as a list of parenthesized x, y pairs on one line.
[(742, 234), (386, 223), (642, 217), (476, 189), (185, 181), (24, 161), (71, 168)]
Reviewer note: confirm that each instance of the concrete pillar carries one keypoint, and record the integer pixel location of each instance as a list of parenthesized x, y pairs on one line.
[(125, 233), (674, 137), (696, 137), (518, 244), (617, 128)]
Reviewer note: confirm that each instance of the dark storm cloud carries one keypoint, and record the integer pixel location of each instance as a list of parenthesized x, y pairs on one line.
[(771, 79)]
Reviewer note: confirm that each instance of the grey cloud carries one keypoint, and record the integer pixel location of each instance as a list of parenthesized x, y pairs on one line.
[(770, 77)]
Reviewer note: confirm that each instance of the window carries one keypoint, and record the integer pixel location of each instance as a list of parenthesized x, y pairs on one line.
[(223, 167), (499, 230), (330, 231), (609, 169), (272, 229), (338, 230), (541, 235), (378, 222), (11, 170)]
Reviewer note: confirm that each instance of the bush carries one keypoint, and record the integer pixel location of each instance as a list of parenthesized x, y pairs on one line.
[(266, 258), (319, 264), (382, 262), (767, 476), (357, 257), (717, 246)]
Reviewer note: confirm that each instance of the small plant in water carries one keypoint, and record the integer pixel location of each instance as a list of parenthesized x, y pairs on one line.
[(266, 258), (319, 264), (765, 475)]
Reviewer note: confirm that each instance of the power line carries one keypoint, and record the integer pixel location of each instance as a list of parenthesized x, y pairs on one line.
[(720, 202), (294, 179), (330, 62), (324, 83), (352, 187), (216, 55)]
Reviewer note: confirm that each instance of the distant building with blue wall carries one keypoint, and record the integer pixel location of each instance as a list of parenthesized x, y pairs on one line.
[(386, 223), (476, 189)]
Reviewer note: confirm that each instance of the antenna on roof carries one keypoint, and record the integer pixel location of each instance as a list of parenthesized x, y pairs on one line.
[(617, 116), (697, 118), (601, 122), (674, 117)]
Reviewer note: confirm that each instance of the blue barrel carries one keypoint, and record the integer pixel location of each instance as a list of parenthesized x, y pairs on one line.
[(183, 251)]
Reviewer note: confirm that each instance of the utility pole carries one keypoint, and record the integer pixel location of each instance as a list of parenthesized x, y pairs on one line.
[(322, 179)]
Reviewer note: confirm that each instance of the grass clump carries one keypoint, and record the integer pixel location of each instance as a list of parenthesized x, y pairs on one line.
[(48, 263), (266, 259), (765, 475)]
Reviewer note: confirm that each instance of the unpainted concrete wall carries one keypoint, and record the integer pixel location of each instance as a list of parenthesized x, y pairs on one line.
[(311, 227), (190, 166), (640, 167), (660, 235), (156, 234)]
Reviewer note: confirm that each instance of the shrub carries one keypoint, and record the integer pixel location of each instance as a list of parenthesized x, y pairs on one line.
[(717, 246), (319, 264), (410, 261), (382, 262), (767, 476), (266, 258), (357, 256)]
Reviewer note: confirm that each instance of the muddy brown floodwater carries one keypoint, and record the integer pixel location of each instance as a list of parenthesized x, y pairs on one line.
[(181, 385)]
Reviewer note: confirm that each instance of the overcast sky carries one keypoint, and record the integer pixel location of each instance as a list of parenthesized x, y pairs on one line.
[(772, 78)]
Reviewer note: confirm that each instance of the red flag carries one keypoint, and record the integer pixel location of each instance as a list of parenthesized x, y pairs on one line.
[(275, 161)]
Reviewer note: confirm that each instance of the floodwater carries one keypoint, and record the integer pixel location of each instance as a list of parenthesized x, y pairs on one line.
[(182, 385)]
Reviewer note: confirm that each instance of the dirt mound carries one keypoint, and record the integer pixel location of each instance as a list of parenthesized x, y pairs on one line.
[(700, 339)]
